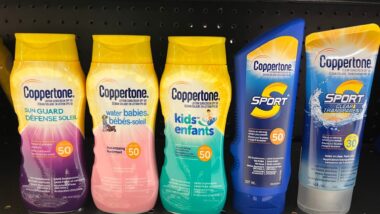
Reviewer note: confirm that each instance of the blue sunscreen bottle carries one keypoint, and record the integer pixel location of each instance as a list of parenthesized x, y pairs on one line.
[(340, 65), (266, 85)]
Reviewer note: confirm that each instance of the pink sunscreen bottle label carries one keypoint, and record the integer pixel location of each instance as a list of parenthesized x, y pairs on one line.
[(122, 91)]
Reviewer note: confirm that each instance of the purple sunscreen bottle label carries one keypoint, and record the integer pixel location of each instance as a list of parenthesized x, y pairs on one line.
[(50, 112)]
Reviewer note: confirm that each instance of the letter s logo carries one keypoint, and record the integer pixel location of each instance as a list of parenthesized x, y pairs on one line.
[(278, 87), (350, 85)]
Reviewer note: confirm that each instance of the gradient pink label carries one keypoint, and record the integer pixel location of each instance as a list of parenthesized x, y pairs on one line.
[(123, 108), (123, 175)]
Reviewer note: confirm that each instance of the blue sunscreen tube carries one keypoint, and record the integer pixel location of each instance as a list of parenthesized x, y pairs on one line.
[(266, 85), (340, 68)]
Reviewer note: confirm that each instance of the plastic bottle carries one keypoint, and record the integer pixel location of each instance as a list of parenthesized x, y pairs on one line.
[(48, 93), (266, 86), (195, 95), (340, 68), (122, 93), (6, 62)]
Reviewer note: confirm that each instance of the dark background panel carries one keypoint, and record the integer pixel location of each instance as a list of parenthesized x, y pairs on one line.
[(238, 21)]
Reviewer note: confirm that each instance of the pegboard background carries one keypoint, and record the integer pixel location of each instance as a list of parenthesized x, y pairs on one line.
[(239, 22)]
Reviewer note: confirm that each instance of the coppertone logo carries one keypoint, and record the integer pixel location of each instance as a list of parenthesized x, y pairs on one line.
[(111, 89), (188, 96), (123, 93), (264, 63), (41, 94), (329, 59)]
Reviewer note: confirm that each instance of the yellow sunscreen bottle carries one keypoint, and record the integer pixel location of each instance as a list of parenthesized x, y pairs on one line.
[(48, 93), (122, 93), (195, 95), (5, 69)]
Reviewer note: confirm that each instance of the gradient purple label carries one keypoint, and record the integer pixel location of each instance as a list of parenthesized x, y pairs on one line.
[(53, 178)]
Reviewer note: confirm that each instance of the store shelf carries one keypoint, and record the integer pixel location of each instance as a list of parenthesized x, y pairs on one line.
[(239, 21), (365, 199)]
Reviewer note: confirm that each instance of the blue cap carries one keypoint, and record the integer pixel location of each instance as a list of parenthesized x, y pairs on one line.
[(270, 204)]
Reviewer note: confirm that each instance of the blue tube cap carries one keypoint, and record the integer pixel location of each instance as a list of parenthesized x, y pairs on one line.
[(270, 204)]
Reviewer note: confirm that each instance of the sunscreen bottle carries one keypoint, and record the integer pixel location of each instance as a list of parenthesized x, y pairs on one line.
[(266, 88), (5, 69), (122, 93), (195, 95), (48, 93), (340, 68)]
